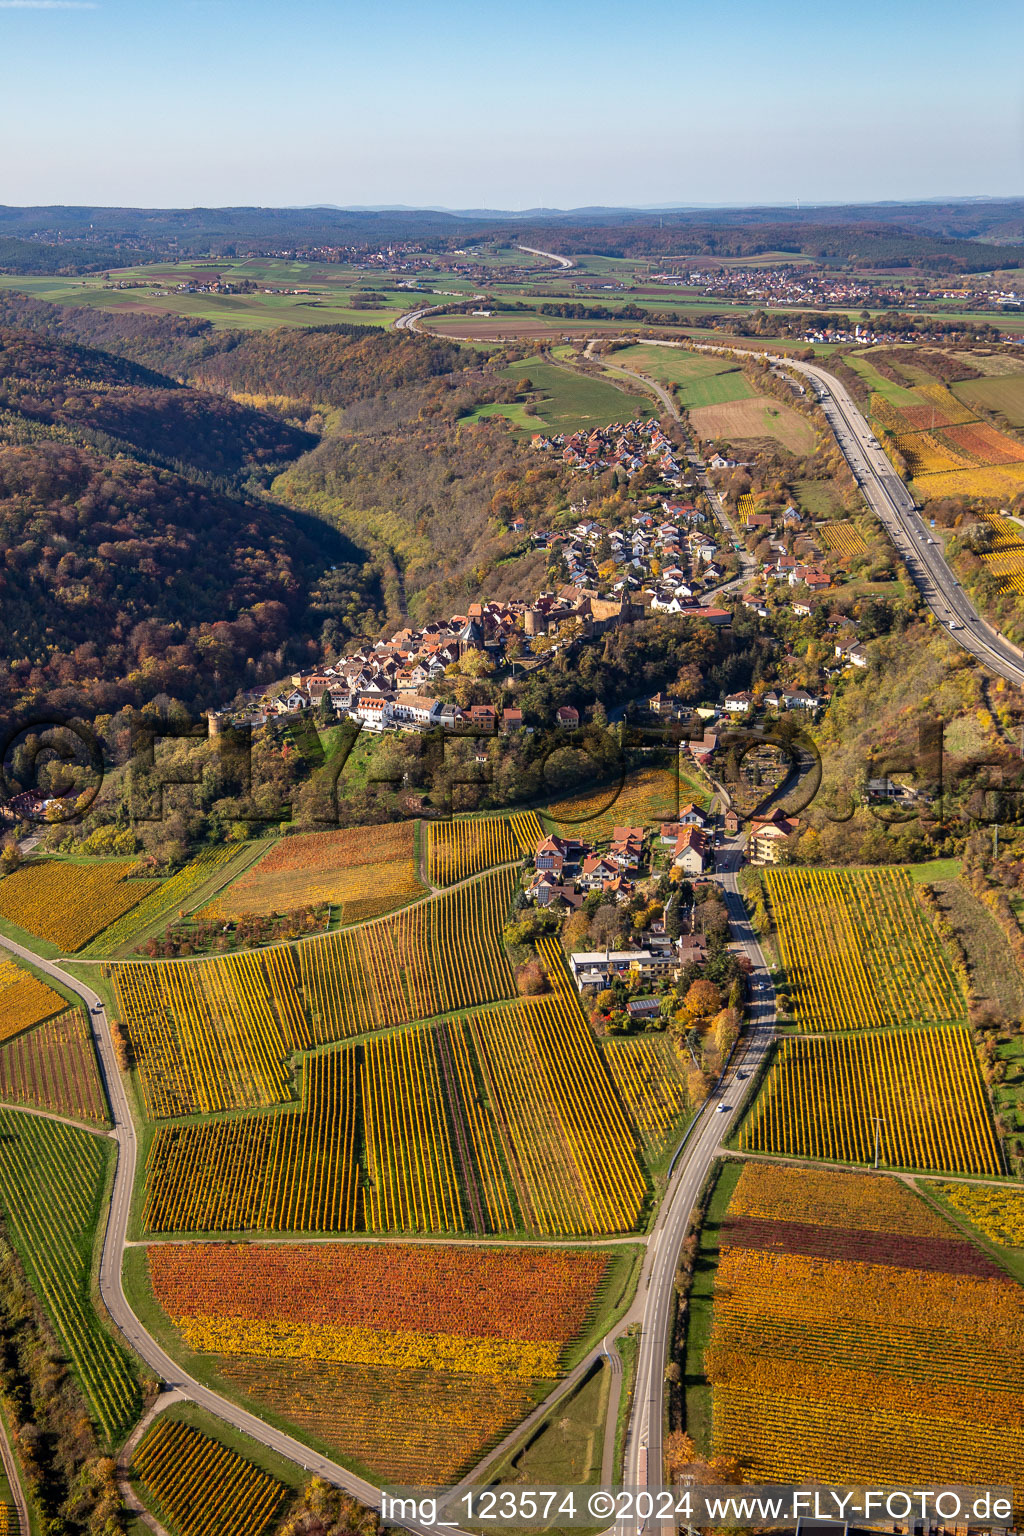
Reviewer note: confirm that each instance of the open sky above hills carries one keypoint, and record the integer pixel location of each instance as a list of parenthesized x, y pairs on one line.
[(547, 102)]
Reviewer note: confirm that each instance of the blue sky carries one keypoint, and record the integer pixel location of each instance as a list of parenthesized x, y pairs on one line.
[(554, 102)]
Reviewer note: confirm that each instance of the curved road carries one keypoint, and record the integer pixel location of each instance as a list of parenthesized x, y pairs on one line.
[(652, 1307), (111, 1259), (747, 562), (563, 261)]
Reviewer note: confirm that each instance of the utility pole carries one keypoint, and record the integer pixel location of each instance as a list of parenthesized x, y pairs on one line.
[(878, 1128)]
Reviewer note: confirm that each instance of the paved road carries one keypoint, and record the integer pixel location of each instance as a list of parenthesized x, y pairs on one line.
[(13, 1472), (411, 321), (922, 553), (563, 261), (111, 1258), (891, 501), (644, 1442)]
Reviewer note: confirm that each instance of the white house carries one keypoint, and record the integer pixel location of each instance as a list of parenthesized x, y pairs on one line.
[(415, 709)]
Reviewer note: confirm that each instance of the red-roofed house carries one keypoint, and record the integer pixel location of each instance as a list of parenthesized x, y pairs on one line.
[(691, 851)]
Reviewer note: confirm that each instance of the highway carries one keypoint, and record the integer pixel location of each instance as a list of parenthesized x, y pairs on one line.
[(890, 500), (563, 261)]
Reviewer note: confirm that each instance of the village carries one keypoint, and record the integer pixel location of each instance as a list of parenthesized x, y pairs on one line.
[(667, 557), (635, 864)]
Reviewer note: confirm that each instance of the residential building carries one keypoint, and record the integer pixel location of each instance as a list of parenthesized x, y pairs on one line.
[(691, 851)]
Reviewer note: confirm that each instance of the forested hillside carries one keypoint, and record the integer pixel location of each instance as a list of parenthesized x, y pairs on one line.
[(149, 549), (121, 581)]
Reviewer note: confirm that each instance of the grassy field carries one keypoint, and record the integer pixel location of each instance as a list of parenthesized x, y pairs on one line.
[(746, 420), (702, 380), (514, 411), (896, 394), (567, 400), (566, 1448), (1004, 394), (819, 498), (329, 301)]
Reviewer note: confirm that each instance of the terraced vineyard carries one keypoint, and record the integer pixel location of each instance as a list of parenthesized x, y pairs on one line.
[(215, 1035), (919, 1091), (51, 1182), (859, 951), (457, 849), (502, 1119), (412, 1359), (200, 1487), (857, 1336)]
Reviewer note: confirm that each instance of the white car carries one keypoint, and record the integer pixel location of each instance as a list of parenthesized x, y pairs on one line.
[(723, 1109)]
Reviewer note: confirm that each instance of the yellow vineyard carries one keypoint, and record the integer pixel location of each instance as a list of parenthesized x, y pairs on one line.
[(457, 849), (859, 951), (67, 904), (216, 1034), (503, 1119), (915, 1094), (845, 538), (24, 1000), (645, 1071)]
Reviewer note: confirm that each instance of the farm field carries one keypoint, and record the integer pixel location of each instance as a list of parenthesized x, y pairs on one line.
[(646, 797), (457, 849), (844, 537), (1003, 393), (919, 1091), (949, 450), (1005, 556), (366, 871), (411, 1360), (200, 1487), (51, 1182), (330, 302), (68, 904), (702, 380), (53, 1067), (567, 400), (213, 1035), (744, 420), (858, 1336), (502, 1121), (645, 1070), (163, 900), (24, 999), (858, 950), (997, 1213)]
